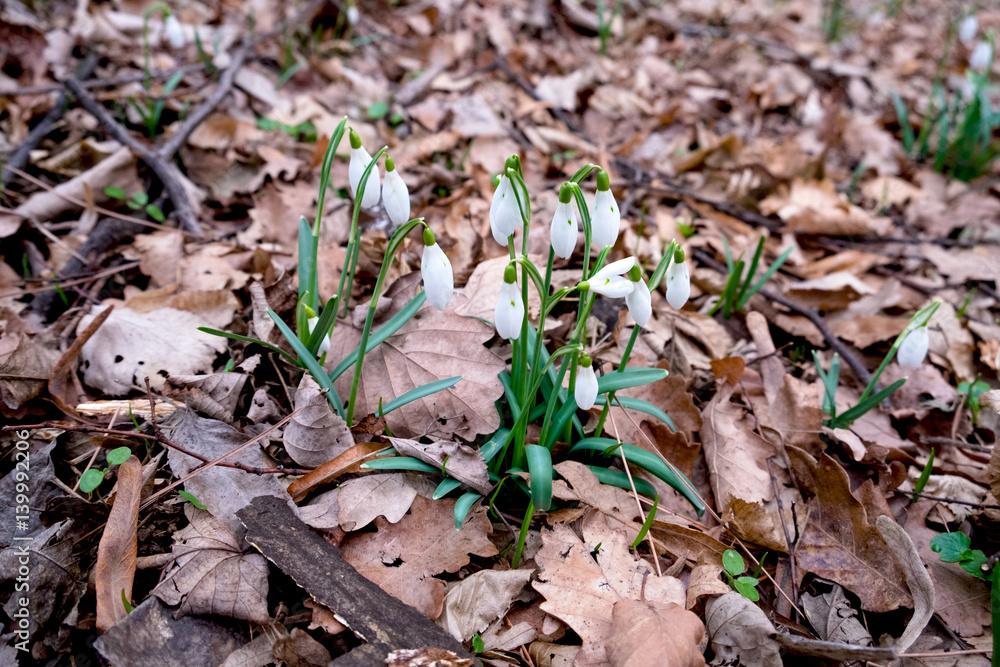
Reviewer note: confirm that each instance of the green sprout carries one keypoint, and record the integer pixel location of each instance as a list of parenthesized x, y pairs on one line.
[(733, 567)]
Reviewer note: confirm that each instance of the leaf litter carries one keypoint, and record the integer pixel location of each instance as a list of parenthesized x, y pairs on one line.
[(719, 128)]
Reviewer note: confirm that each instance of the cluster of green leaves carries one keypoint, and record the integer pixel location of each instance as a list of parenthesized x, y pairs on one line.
[(739, 289), (92, 478), (955, 131), (972, 391), (955, 548), (151, 109), (137, 201), (305, 131), (869, 398), (733, 566)]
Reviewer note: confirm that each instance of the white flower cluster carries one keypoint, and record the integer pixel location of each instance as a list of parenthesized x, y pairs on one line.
[(981, 58)]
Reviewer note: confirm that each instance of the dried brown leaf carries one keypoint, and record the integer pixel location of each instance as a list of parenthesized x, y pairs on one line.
[(649, 633), (739, 630), (917, 579), (116, 553), (315, 434), (471, 604), (459, 461)]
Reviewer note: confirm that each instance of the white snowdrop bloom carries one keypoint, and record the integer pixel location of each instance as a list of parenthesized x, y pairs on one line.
[(605, 219), (913, 349), (565, 227), (505, 216), (435, 269), (586, 384), (353, 16), (981, 56), (639, 300), (968, 29), (611, 281), (395, 195), (324, 345), (509, 313), (678, 281), (356, 168), (174, 32)]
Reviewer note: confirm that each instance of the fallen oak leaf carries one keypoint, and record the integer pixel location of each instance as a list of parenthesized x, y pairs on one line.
[(454, 459), (347, 462), (739, 630), (917, 579), (315, 434), (649, 633)]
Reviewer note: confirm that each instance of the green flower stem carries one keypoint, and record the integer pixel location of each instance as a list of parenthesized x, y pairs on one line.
[(529, 514), (354, 236), (921, 319), (654, 281), (394, 242), (147, 80)]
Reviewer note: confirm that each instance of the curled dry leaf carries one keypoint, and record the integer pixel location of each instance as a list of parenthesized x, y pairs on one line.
[(433, 345), (402, 558), (739, 630), (316, 434), (348, 462), (706, 579), (459, 461), (833, 618), (25, 365), (839, 542), (212, 574), (917, 579), (355, 503), (653, 634), (116, 553), (582, 591), (473, 603)]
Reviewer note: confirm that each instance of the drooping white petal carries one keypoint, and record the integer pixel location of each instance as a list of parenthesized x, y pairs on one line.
[(586, 387), (175, 33), (639, 302), (613, 287), (396, 197), (913, 349), (678, 285), (509, 313), (619, 268), (355, 169), (968, 29), (605, 219), (565, 230), (981, 56), (324, 345), (439, 280), (505, 216)]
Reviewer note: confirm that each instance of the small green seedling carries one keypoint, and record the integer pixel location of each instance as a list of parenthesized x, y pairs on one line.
[(924, 475), (92, 478), (151, 110), (478, 646), (138, 201), (305, 132), (191, 499), (972, 390), (378, 111), (738, 291), (128, 605), (954, 548), (733, 567)]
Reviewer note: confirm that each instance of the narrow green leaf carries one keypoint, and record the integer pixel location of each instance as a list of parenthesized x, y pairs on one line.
[(630, 377), (495, 444), (114, 192), (848, 416), (323, 324), (307, 261), (420, 392), (540, 467), (620, 479), (126, 603), (248, 339), (925, 474), (462, 507), (400, 463), (153, 211), (445, 487), (389, 328), (191, 499), (647, 524), (641, 406), (322, 379)]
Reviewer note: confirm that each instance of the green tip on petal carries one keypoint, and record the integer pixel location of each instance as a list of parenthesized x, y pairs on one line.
[(389, 164), (679, 255), (510, 274), (309, 312), (585, 360), (583, 285), (511, 163), (635, 273), (428, 237), (355, 139), (565, 193), (603, 181)]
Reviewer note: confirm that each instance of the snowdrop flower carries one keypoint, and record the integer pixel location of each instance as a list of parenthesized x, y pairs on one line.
[(678, 281), (435, 269), (174, 32), (605, 219), (586, 384), (324, 346), (981, 56), (611, 281), (356, 168), (509, 313), (639, 301), (565, 227), (505, 216), (913, 349), (395, 194), (968, 29), (353, 16)]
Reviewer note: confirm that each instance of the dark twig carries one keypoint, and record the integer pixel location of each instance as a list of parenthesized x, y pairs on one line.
[(949, 500), (152, 412), (19, 158), (792, 543), (105, 83)]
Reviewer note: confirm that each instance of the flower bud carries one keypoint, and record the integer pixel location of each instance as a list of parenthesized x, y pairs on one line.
[(395, 195), (355, 170), (505, 216), (678, 281), (605, 219), (981, 56), (586, 384), (639, 300), (174, 32), (611, 282), (435, 269), (968, 29), (913, 349), (509, 313), (565, 228), (324, 345)]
